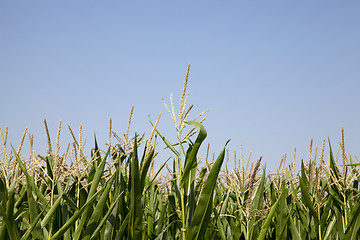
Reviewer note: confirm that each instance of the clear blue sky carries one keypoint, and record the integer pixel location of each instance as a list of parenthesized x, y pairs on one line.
[(274, 74)]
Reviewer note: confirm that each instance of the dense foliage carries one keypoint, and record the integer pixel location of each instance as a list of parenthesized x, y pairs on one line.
[(118, 194)]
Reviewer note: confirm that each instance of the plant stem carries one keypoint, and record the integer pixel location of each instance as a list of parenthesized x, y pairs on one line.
[(183, 229)]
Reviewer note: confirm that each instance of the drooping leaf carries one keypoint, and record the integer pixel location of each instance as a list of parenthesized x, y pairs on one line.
[(192, 158)]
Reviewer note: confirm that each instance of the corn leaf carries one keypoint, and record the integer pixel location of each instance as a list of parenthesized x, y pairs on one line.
[(94, 187), (204, 207), (265, 226), (135, 221), (191, 160), (305, 193), (71, 222)]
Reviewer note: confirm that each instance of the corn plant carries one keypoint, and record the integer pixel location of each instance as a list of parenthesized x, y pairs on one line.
[(118, 194)]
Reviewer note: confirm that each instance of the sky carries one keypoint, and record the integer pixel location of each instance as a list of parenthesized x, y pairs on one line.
[(273, 74)]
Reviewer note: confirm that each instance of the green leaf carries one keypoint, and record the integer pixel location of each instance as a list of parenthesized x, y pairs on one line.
[(11, 228), (96, 155), (97, 213), (258, 200), (333, 166), (94, 187), (51, 212), (191, 160), (123, 228), (353, 226), (135, 221), (71, 222), (104, 218), (305, 196), (330, 228), (157, 174), (30, 180), (265, 226), (31, 228), (33, 208), (3, 191), (204, 207), (70, 202), (7, 210), (294, 231), (256, 206), (145, 168)]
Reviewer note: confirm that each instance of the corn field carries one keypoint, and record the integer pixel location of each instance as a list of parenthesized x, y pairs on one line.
[(118, 193)]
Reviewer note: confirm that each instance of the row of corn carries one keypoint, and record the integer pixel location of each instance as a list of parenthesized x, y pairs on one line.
[(117, 194)]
